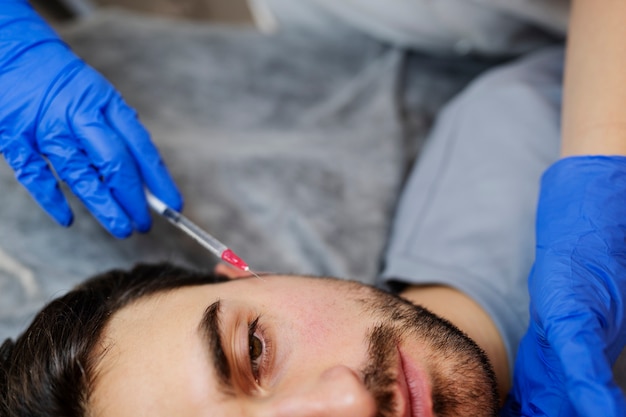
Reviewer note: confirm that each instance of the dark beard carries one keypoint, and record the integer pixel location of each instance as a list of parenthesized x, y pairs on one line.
[(463, 381)]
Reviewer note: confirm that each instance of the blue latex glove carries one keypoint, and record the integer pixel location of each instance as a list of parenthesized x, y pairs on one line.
[(55, 106), (577, 289)]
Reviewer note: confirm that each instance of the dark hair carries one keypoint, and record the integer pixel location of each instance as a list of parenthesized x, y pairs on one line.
[(49, 369)]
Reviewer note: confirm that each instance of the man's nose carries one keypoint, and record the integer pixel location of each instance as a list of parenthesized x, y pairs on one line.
[(336, 392)]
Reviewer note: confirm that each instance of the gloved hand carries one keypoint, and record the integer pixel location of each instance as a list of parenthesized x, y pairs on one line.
[(577, 291), (55, 106)]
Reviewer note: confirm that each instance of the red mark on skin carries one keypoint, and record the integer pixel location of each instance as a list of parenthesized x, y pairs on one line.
[(232, 258)]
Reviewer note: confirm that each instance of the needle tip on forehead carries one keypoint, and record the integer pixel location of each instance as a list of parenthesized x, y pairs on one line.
[(247, 269), (255, 274)]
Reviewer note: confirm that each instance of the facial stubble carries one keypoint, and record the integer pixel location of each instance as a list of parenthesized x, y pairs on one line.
[(462, 379)]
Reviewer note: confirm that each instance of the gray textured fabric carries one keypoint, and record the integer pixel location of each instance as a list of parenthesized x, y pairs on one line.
[(290, 149)]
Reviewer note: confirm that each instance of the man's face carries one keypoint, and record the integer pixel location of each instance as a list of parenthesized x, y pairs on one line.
[(286, 346)]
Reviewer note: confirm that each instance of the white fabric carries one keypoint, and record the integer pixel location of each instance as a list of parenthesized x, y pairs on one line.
[(489, 27)]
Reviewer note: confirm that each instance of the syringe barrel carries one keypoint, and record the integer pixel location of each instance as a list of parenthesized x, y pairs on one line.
[(196, 232)]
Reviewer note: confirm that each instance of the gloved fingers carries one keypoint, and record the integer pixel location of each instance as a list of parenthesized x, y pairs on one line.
[(578, 343), (74, 167), (115, 165), (153, 170), (33, 172)]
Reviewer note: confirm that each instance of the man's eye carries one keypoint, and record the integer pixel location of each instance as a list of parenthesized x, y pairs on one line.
[(256, 349)]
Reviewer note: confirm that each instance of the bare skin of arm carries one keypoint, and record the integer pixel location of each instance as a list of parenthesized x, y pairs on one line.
[(594, 102)]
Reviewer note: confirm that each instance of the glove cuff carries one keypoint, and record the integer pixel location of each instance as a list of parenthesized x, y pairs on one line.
[(21, 28), (582, 194)]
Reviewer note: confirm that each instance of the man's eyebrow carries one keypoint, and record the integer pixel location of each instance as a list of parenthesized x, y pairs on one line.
[(209, 328)]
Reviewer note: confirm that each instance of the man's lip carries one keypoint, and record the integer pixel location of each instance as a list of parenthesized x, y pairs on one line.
[(415, 388)]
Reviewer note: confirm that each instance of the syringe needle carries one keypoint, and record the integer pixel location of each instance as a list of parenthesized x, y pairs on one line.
[(202, 237), (255, 274)]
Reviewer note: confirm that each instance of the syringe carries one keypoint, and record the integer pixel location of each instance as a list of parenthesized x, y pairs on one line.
[(212, 244)]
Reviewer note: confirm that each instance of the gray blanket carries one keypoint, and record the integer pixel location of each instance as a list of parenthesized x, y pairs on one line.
[(289, 148)]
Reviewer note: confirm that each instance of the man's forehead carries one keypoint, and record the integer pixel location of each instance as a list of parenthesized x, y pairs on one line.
[(194, 299)]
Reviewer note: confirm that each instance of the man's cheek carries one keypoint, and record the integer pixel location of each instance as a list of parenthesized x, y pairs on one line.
[(324, 321)]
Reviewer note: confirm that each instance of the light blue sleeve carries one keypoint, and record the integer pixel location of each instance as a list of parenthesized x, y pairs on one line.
[(466, 216)]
